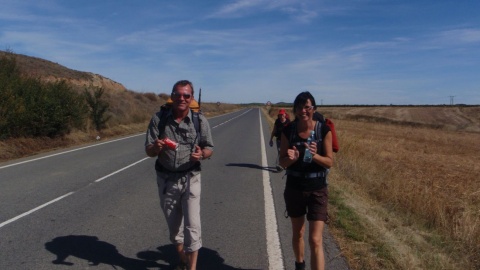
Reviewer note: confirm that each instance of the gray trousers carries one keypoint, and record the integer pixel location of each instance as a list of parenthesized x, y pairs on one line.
[(180, 201)]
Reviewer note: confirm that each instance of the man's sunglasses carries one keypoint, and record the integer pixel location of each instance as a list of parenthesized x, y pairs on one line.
[(178, 95)]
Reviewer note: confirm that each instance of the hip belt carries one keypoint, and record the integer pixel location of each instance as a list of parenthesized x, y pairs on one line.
[(194, 168), (307, 174)]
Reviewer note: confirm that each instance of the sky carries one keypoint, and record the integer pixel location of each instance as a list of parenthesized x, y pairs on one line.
[(345, 52)]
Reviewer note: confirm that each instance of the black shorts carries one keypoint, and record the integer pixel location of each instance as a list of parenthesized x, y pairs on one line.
[(313, 203)]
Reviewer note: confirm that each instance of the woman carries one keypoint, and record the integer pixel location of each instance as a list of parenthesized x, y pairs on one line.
[(306, 188), (280, 123)]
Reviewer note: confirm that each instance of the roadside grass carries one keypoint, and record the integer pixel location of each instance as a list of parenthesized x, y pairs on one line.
[(387, 181), (405, 197), (129, 121)]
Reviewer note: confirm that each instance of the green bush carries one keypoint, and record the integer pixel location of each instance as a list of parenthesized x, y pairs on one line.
[(98, 107), (31, 108)]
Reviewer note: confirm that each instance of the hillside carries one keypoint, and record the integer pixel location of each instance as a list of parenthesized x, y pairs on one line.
[(51, 72), (128, 111)]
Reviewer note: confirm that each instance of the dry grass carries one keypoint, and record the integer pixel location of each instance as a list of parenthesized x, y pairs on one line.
[(412, 185), (421, 183), (130, 113)]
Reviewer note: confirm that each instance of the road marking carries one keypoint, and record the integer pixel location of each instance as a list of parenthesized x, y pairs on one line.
[(69, 151), (274, 251), (66, 195), (231, 119), (34, 209), (81, 148), (124, 168)]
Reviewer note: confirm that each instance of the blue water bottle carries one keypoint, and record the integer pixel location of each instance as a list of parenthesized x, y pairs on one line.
[(307, 157)]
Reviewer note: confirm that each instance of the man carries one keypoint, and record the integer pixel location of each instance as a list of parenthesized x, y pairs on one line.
[(280, 123), (178, 170)]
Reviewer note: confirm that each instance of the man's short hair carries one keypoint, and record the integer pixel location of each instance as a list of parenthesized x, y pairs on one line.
[(182, 83)]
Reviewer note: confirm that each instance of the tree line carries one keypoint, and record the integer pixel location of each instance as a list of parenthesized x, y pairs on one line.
[(30, 107)]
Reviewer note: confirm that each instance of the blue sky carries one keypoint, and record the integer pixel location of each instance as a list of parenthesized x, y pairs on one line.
[(241, 51)]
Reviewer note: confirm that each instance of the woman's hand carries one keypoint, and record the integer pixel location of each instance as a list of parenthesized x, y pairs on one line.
[(293, 154), (312, 147)]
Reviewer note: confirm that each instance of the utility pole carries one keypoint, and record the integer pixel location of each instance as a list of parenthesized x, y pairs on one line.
[(451, 100)]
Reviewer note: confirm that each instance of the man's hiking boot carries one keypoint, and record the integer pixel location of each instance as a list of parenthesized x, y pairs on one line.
[(182, 266), (279, 168), (300, 266)]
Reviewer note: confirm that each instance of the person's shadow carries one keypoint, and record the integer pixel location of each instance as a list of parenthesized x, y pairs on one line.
[(207, 258), (252, 166), (96, 252)]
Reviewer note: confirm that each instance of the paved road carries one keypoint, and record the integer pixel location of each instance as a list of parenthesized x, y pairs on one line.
[(96, 207)]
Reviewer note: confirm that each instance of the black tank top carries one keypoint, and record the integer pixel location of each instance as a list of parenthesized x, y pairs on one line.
[(300, 183)]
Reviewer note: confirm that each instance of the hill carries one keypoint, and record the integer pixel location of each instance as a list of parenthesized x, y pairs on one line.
[(52, 72), (128, 111)]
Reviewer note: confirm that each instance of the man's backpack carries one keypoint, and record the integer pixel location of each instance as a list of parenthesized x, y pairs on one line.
[(165, 109), (325, 121)]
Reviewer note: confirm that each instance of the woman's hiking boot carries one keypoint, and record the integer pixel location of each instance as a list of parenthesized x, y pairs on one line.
[(300, 266)]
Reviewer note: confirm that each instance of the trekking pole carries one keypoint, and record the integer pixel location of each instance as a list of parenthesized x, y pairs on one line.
[(200, 99)]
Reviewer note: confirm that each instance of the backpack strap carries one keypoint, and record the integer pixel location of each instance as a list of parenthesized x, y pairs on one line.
[(162, 116), (196, 123)]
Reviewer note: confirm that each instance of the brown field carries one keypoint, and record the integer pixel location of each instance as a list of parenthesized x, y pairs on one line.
[(411, 177)]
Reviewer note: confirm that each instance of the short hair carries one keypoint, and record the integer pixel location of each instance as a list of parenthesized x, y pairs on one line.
[(301, 100), (182, 83)]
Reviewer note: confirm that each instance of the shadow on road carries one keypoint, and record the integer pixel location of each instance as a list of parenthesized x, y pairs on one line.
[(97, 252), (207, 258), (252, 166)]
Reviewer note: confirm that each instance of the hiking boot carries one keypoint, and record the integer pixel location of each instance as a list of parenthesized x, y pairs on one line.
[(279, 168), (300, 266), (182, 266)]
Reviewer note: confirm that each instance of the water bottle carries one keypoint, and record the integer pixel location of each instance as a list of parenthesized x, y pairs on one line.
[(307, 157)]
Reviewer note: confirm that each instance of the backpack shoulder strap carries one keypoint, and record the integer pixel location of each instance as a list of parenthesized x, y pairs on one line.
[(318, 131), (162, 116), (196, 122)]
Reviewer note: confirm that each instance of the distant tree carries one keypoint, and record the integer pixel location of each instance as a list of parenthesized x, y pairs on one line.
[(98, 107)]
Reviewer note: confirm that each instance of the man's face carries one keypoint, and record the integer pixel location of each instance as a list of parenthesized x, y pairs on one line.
[(182, 97)]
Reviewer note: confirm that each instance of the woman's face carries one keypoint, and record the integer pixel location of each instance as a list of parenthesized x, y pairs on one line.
[(306, 111)]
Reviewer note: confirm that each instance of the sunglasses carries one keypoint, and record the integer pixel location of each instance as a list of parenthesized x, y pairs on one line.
[(306, 108), (178, 95)]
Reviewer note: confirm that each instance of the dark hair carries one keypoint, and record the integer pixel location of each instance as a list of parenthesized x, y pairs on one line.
[(301, 100), (182, 83)]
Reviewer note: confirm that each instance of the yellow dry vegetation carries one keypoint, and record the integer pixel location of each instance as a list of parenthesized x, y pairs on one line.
[(412, 177)]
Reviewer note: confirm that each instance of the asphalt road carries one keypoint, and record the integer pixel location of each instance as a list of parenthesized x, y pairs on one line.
[(96, 206)]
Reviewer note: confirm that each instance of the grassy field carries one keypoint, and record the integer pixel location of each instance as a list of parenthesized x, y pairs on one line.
[(405, 189)]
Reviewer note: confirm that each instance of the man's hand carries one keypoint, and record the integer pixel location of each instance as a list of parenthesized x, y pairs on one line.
[(197, 154), (154, 149)]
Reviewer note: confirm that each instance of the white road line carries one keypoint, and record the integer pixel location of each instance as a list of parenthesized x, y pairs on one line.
[(34, 209), (73, 150), (66, 195), (231, 119), (97, 144), (274, 251), (124, 168)]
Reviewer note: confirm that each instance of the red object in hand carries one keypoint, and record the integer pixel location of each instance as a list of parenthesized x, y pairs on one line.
[(171, 144)]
